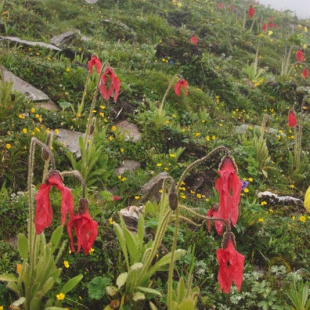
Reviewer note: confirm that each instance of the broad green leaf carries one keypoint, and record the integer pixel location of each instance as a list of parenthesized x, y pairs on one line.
[(96, 287), (307, 200), (22, 245), (121, 279), (138, 296), (121, 239), (71, 284), (141, 229), (56, 236), (187, 304), (47, 285), (13, 287), (8, 277), (149, 290)]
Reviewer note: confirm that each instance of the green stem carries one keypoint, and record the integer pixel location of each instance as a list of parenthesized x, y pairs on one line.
[(167, 91)]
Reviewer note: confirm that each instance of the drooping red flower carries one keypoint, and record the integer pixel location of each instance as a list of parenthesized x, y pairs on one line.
[(251, 11), (265, 27), (44, 213), (300, 55), (193, 39), (177, 88), (116, 198), (229, 187), (86, 231), (232, 7), (220, 6), (271, 25), (305, 73), (94, 61), (292, 120), (231, 267), (115, 84)]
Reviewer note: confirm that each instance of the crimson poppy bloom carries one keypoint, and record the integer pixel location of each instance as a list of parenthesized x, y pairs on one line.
[(292, 120), (299, 55), (94, 61), (177, 88), (265, 27), (251, 11), (305, 73), (229, 187), (115, 84), (44, 212), (231, 267), (86, 231), (193, 39)]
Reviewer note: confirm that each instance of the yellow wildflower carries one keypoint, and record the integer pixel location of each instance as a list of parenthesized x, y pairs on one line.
[(60, 296), (302, 218), (66, 264), (8, 146), (260, 220)]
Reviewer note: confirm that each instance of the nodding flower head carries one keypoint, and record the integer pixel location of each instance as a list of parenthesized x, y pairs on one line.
[(94, 62), (251, 11), (181, 84), (292, 120), (300, 56), (115, 85), (44, 212)]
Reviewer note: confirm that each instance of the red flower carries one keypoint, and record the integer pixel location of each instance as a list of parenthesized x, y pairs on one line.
[(251, 11), (86, 231), (116, 198), (115, 84), (181, 83), (292, 120), (271, 18), (229, 187), (44, 212), (265, 27), (193, 39), (305, 73), (232, 7), (231, 267), (299, 55), (271, 25), (94, 61), (220, 6)]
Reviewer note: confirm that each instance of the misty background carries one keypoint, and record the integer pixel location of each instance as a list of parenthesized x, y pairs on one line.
[(300, 7)]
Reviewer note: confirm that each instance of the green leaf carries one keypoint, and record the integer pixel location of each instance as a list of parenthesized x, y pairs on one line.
[(22, 245), (54, 308), (121, 279), (8, 277), (152, 306), (56, 236), (72, 283), (121, 239), (181, 290), (19, 301), (47, 285), (96, 287), (149, 290)]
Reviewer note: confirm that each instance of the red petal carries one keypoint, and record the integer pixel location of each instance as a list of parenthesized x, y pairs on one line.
[(292, 121), (44, 213)]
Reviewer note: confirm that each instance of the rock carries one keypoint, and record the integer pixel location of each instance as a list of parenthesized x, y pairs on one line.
[(130, 130), (47, 105), (128, 165), (70, 139), (64, 38), (91, 1), (244, 127), (23, 87), (30, 43), (131, 217), (151, 190), (276, 199)]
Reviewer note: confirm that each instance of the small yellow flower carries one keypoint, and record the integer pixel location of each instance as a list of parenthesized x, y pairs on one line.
[(32, 110), (67, 69), (292, 186), (213, 138), (60, 296), (198, 196), (101, 114), (246, 190), (270, 210), (66, 264), (102, 107), (91, 251), (137, 197), (1, 308), (8, 146), (40, 119), (197, 134), (302, 218), (124, 179), (25, 130), (159, 164), (207, 138), (111, 138), (78, 115), (172, 155), (121, 150), (56, 131), (21, 116), (260, 220), (263, 203), (293, 218), (113, 128), (250, 179), (111, 221)]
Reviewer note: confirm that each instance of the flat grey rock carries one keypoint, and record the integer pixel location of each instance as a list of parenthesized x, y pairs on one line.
[(128, 165), (130, 131), (91, 1), (64, 38), (30, 43), (23, 87), (70, 139)]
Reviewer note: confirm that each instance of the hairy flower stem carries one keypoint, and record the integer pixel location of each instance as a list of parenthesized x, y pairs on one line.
[(177, 214), (78, 176), (49, 141), (81, 105), (31, 229), (167, 91)]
